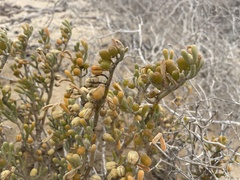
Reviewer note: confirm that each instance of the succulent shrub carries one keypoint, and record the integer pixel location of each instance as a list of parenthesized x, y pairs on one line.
[(101, 129)]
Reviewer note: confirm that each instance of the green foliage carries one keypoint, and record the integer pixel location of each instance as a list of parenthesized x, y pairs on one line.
[(98, 118)]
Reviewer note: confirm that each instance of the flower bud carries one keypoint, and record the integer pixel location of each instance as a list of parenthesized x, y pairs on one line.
[(182, 64), (186, 57), (170, 66), (33, 172), (50, 152), (155, 77), (84, 44), (108, 137), (175, 75), (165, 54), (171, 54), (194, 53)]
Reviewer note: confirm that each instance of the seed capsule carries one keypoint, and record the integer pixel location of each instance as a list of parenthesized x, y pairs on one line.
[(140, 175), (111, 165), (163, 144), (69, 75), (78, 54), (88, 113), (18, 138), (79, 62), (137, 140), (75, 121), (113, 51), (83, 122), (133, 157), (103, 112), (135, 106), (76, 159), (115, 101), (30, 140), (107, 120), (98, 92), (97, 70), (76, 72), (117, 86), (146, 160), (81, 150), (95, 177), (121, 171), (120, 96), (105, 65), (112, 175), (57, 114), (104, 54), (75, 107)]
